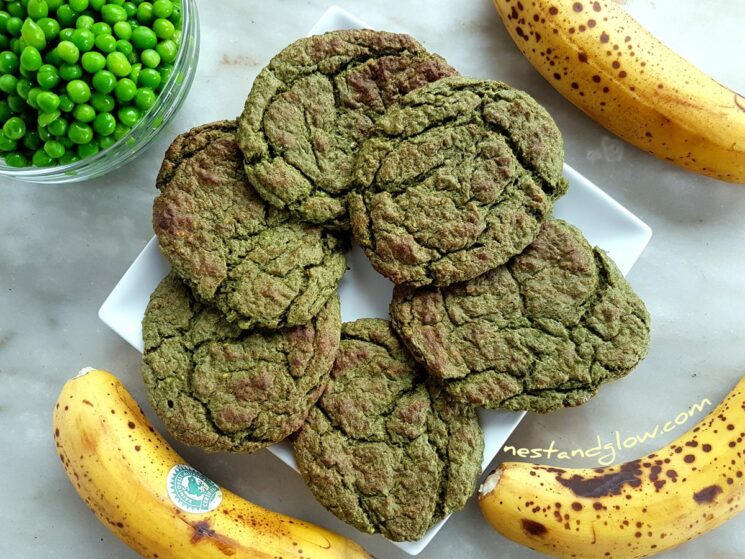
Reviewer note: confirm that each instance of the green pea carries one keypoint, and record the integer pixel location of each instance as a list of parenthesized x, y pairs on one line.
[(149, 78), (88, 149), (162, 8), (66, 104), (145, 12), (37, 9), (84, 22), (9, 62), (8, 83), (101, 28), (79, 91), (150, 58), (104, 81), (134, 75), (144, 38), (80, 133), (48, 101), (144, 99), (54, 149), (47, 76), (32, 96), (5, 112), (106, 142), (68, 51), (83, 39), (111, 13), (123, 30), (4, 17), (66, 15), (41, 159), (14, 128), (165, 73), (54, 4), (16, 160), (45, 119), (118, 64), (103, 103), (31, 59), (15, 9), (167, 50), (84, 113), (129, 116), (13, 27), (104, 124), (67, 142), (33, 34), (163, 28), (69, 72), (96, 4), (58, 127), (93, 62), (32, 140), (66, 34), (125, 47), (106, 43), (23, 86), (125, 90), (16, 103), (49, 27), (79, 5), (121, 130), (69, 158), (6, 144), (130, 8)]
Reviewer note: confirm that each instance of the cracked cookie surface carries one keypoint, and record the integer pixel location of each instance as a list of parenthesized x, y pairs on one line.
[(456, 180), (540, 333), (384, 449), (225, 389), (259, 266), (312, 106)]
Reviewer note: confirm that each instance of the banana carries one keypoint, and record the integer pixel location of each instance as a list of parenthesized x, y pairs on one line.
[(610, 67), (145, 493), (635, 509)]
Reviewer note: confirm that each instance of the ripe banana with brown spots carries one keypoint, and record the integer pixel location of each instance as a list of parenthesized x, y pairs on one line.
[(636, 509), (145, 493), (610, 67)]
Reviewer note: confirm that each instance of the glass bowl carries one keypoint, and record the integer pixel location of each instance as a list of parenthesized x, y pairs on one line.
[(168, 103)]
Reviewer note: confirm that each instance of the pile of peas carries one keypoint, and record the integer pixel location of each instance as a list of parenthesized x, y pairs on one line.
[(76, 75)]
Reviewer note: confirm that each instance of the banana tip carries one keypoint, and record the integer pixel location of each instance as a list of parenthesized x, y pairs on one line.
[(490, 483), (84, 371)]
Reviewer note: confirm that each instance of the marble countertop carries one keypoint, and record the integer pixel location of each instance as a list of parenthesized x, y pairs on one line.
[(64, 247)]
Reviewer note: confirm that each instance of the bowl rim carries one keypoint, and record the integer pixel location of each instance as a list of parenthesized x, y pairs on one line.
[(184, 68)]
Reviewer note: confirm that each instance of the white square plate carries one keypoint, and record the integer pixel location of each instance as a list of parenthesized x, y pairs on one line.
[(365, 293)]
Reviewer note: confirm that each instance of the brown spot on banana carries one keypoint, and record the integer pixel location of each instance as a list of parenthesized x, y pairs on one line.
[(707, 494), (202, 530), (603, 485), (534, 528)]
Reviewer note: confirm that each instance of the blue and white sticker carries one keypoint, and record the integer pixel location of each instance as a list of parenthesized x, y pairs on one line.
[(191, 491)]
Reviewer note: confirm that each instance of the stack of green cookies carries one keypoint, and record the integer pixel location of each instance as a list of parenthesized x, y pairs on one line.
[(448, 184)]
